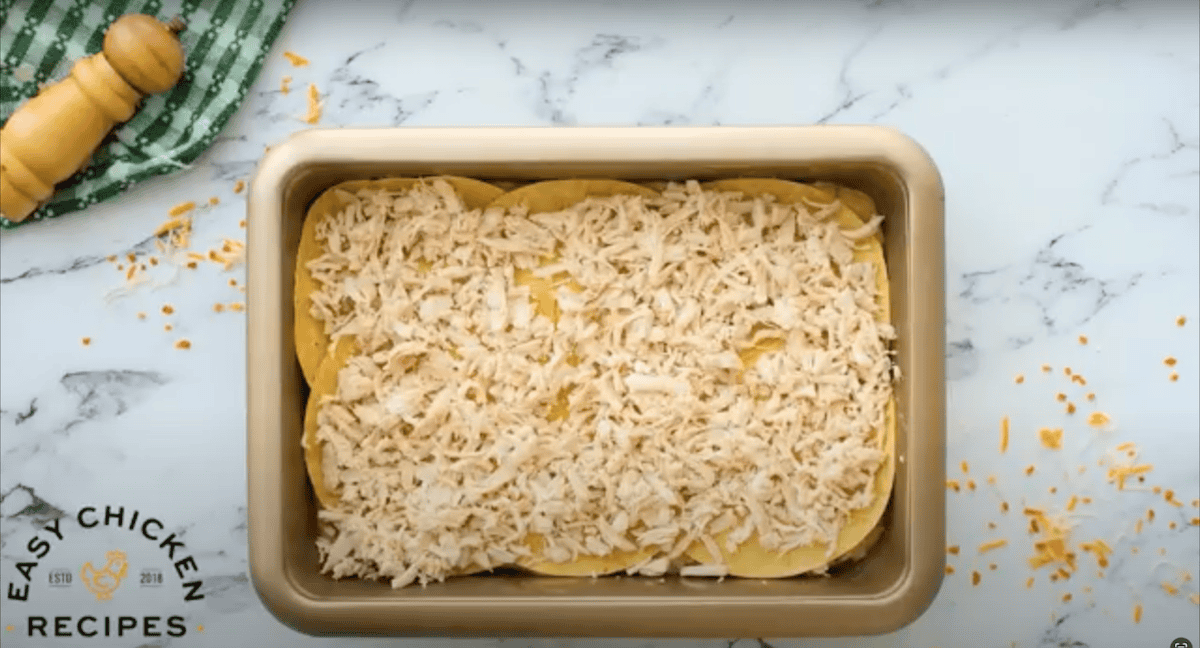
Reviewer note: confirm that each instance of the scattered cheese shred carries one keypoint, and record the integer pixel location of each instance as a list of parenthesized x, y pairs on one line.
[(971, 484), (1020, 378), (949, 569), (966, 468), (952, 550), (1070, 408), (1083, 339), (1004, 435), (1091, 396), (86, 341), (1046, 368), (1060, 397), (1121, 473), (141, 316), (1071, 503), (218, 307), (994, 544), (283, 84), (1169, 496), (295, 59), (183, 344), (1029, 470), (237, 307), (1029, 583), (1174, 377), (239, 186), (1180, 321), (1194, 598), (167, 309), (171, 225), (953, 485), (1170, 361), (1051, 438), (1004, 507), (182, 208), (1137, 613), (991, 479), (1098, 419), (214, 201), (314, 105), (975, 578), (1066, 598), (1079, 379)]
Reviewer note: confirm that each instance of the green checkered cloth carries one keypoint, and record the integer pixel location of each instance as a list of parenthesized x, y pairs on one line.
[(225, 42)]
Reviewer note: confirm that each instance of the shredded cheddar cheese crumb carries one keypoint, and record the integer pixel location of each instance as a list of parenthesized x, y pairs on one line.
[(141, 316), (1060, 397), (1071, 503), (966, 468), (1083, 339), (1067, 371), (994, 544), (112, 258), (1029, 583), (295, 59), (1053, 489), (168, 328), (952, 484), (314, 105), (1180, 321), (1137, 528), (975, 578), (239, 186), (1004, 507), (1066, 597), (1004, 435), (1171, 525), (167, 309), (153, 261), (1029, 470), (1070, 408), (233, 282), (132, 271), (86, 341), (1149, 515), (1051, 438), (991, 480), (1170, 361), (1079, 379), (191, 265), (1196, 521), (952, 550), (1046, 368), (1169, 496), (1137, 613), (991, 525), (183, 344), (1119, 474), (182, 208), (218, 307), (1174, 377), (242, 223), (949, 569), (1091, 396), (237, 307), (214, 200), (1020, 378), (283, 84), (971, 484), (169, 226), (992, 566), (1194, 598), (1098, 419)]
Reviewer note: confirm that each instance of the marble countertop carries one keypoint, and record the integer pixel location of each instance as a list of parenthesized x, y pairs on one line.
[(1068, 137)]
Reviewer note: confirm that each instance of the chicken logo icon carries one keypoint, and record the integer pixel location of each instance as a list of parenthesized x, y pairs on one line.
[(103, 582)]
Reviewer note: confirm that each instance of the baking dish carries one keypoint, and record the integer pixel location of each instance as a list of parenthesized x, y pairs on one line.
[(887, 588)]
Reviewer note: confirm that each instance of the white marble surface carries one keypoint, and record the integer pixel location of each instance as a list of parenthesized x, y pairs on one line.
[(1067, 135)]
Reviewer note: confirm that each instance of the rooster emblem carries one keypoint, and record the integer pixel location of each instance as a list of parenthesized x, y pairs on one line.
[(103, 582)]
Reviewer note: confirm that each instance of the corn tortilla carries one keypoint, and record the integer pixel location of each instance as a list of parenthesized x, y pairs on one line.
[(312, 343), (550, 196), (751, 559)]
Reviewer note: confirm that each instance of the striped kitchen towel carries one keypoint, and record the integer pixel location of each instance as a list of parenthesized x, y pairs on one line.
[(224, 43)]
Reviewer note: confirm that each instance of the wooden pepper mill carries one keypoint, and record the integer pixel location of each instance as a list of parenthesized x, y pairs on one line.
[(55, 133)]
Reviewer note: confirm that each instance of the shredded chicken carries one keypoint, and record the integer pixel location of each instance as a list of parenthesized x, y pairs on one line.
[(714, 364)]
